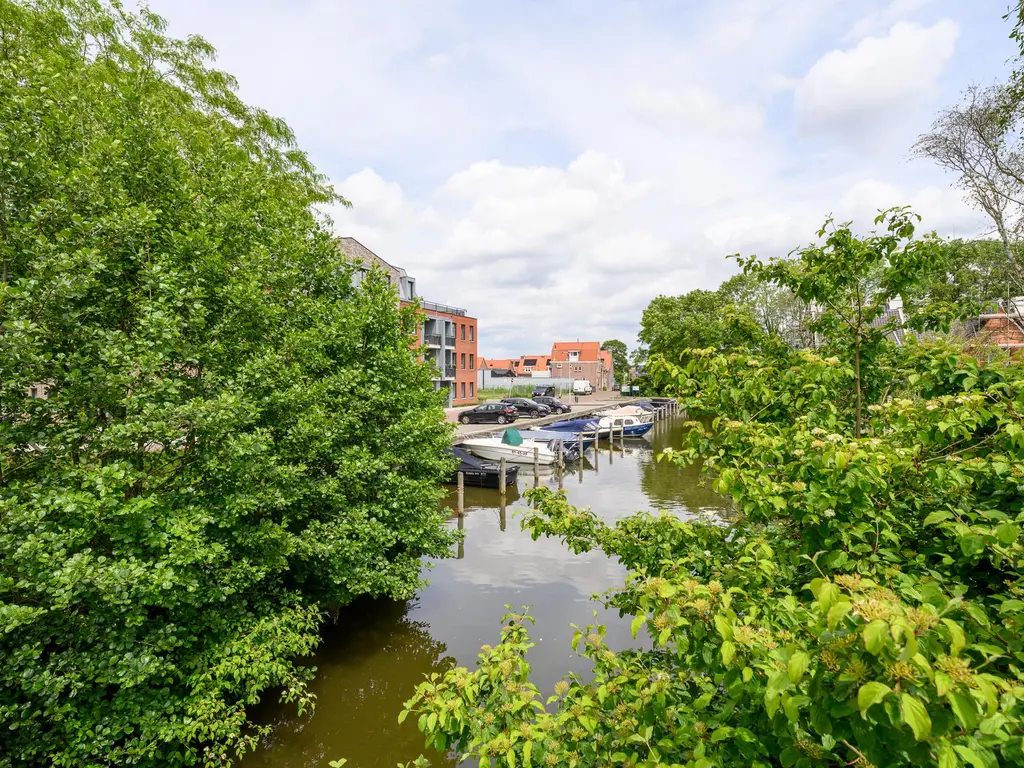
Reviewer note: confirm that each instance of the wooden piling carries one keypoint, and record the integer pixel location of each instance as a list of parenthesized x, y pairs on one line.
[(580, 436), (561, 455), (501, 518), (462, 494), (501, 480), (536, 460), (462, 544), (597, 449)]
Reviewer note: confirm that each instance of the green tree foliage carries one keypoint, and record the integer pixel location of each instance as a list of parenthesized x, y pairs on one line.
[(620, 358), (863, 606), (234, 437), (672, 324), (851, 282)]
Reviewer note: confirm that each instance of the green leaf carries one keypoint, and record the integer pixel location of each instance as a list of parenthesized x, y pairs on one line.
[(527, 754), (871, 693), (728, 652), (797, 666), (916, 716), (937, 517), (724, 627), (957, 640), (874, 636), (638, 622), (947, 757), (837, 612), (965, 709), (970, 756)]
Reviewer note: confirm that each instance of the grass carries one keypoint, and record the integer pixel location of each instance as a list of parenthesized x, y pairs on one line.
[(519, 390)]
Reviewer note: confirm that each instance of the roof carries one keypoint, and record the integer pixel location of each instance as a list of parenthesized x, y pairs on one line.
[(356, 250), (535, 361), (503, 364), (589, 351)]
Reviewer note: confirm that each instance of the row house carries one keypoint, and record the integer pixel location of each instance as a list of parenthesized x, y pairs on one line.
[(448, 336)]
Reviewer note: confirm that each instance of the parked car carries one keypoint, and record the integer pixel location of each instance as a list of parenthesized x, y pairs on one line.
[(582, 387), (540, 391), (498, 413), (556, 405), (527, 407)]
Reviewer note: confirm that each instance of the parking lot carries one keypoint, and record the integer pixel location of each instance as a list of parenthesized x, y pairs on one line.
[(587, 404)]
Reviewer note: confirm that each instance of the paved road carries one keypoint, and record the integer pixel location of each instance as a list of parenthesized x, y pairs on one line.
[(587, 404)]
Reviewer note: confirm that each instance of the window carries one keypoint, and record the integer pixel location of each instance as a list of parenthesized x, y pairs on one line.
[(463, 331), (34, 392), (471, 361), (574, 356), (471, 332), (471, 388), (463, 361), (463, 390)]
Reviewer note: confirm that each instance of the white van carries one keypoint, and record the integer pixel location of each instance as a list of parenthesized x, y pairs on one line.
[(582, 387)]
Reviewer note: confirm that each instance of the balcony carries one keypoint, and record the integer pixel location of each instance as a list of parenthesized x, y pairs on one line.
[(449, 371), (432, 339), (449, 341)]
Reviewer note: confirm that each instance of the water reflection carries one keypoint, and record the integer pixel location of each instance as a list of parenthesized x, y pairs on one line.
[(372, 660)]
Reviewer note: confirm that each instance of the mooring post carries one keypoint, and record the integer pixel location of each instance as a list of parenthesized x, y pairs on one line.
[(561, 455), (462, 494), (597, 449), (462, 544), (580, 436), (536, 459), (501, 480), (611, 444), (501, 518)]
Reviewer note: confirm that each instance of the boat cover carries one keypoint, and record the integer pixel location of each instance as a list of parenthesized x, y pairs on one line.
[(512, 437), (467, 459)]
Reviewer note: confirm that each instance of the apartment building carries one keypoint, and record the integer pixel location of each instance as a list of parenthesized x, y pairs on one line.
[(448, 336)]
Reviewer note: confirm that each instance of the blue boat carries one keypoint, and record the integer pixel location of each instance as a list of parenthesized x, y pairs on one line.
[(574, 425)]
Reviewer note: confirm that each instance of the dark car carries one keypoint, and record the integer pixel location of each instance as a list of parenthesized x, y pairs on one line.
[(527, 407), (556, 405), (500, 413), (542, 392)]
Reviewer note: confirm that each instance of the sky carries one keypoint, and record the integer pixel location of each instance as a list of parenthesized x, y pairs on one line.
[(553, 165)]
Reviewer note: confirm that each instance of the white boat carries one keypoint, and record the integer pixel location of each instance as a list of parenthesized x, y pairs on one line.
[(633, 411), (628, 426), (495, 449)]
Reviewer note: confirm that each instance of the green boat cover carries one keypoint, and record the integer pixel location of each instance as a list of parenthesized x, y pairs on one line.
[(512, 437)]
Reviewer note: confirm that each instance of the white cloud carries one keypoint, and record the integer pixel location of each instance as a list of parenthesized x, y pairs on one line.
[(693, 109), (883, 19), (874, 83)]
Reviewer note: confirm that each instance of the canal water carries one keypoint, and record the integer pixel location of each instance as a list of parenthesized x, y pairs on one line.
[(374, 656)]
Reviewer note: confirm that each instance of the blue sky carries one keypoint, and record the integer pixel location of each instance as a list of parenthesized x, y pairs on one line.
[(552, 165)]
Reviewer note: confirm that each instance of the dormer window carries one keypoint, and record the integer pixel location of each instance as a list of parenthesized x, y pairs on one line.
[(574, 356)]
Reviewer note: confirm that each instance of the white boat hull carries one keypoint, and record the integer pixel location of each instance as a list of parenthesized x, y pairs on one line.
[(493, 449)]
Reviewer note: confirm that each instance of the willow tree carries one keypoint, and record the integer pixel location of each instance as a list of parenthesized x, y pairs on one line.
[(233, 437)]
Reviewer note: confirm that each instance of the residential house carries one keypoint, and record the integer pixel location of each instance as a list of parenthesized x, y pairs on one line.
[(578, 360), (448, 337)]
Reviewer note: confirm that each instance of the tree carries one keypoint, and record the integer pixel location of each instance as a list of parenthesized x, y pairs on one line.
[(851, 281), (620, 358), (979, 141), (223, 450), (778, 312), (671, 324)]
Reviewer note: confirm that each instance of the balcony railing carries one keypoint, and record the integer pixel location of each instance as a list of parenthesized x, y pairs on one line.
[(432, 339), (431, 306), (449, 341), (449, 371)]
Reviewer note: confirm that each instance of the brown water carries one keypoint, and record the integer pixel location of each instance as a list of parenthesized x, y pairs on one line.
[(371, 660)]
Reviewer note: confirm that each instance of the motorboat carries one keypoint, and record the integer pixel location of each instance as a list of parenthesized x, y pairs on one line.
[(570, 441), (511, 446), (478, 473), (574, 425), (627, 426), (634, 411)]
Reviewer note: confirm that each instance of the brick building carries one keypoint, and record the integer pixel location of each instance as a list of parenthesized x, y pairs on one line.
[(448, 337), (578, 360)]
